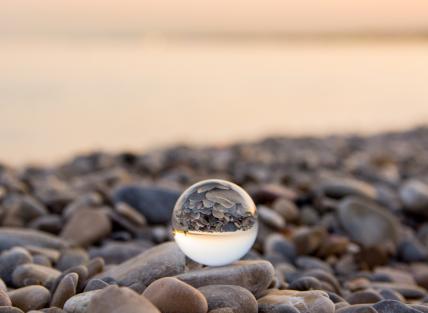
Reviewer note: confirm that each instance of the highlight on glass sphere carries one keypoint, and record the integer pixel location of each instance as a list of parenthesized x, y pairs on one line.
[(215, 222)]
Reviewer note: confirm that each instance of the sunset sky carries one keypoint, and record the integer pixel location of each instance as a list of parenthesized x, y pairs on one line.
[(289, 16)]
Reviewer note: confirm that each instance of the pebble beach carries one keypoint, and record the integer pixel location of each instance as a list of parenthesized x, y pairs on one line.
[(342, 227)]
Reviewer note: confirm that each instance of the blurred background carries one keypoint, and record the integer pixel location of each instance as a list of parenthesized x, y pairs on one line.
[(90, 74)]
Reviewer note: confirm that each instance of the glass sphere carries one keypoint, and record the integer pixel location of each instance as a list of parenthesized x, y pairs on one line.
[(215, 222)]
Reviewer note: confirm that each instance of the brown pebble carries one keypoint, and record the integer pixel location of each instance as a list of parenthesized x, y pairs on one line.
[(171, 295), (30, 297), (4, 299), (95, 266), (10, 309), (65, 290)]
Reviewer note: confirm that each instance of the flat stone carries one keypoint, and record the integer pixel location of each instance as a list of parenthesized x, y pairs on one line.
[(277, 308), (80, 302), (367, 223), (114, 299), (308, 240), (228, 296), (414, 195), (155, 203), (11, 237), (314, 301), (364, 296), (343, 187), (30, 297), (406, 290), (160, 261), (87, 226), (29, 274), (65, 290), (357, 308), (171, 295), (4, 299), (70, 258), (392, 306), (254, 275), (10, 309), (10, 260)]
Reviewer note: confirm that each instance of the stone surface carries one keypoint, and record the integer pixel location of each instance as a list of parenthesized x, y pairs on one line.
[(154, 203), (30, 297), (414, 195), (171, 295), (80, 302), (29, 274), (65, 290), (140, 271), (114, 299), (392, 306), (314, 301), (367, 223), (87, 226), (228, 296), (10, 237), (256, 276), (10, 260)]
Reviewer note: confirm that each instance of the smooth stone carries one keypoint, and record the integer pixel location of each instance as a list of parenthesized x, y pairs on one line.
[(114, 299), (21, 209), (155, 203), (52, 310), (420, 307), (65, 290), (392, 306), (4, 299), (42, 260), (10, 260), (414, 195), (171, 295), (70, 258), (270, 217), (364, 296), (333, 245), (314, 301), (11, 237), (160, 261), (26, 274), (95, 284), (10, 309), (254, 275), (95, 266), (116, 252), (308, 263), (50, 223), (305, 283), (30, 297), (343, 187), (357, 308), (277, 308), (2, 285), (87, 226), (80, 302), (222, 310), (308, 240), (324, 276), (221, 296), (276, 245), (82, 273), (287, 209), (408, 291), (411, 251), (389, 294), (367, 223)]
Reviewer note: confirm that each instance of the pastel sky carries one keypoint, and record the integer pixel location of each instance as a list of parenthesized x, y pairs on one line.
[(289, 16)]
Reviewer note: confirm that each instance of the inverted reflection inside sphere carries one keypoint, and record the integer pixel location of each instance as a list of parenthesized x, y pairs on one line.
[(215, 222)]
